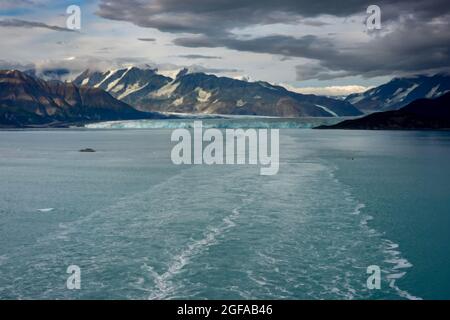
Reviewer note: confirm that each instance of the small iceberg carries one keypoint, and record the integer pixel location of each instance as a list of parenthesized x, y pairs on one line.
[(46, 210)]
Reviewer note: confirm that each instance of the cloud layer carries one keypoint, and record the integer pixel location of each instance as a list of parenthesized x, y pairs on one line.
[(329, 91), (18, 23), (414, 37)]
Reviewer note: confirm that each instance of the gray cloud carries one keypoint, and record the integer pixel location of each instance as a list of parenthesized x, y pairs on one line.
[(39, 71), (10, 65), (147, 39), (308, 46), (220, 16), (416, 40), (204, 69), (314, 23), (413, 47), (426, 49), (16, 4), (68, 69), (197, 56), (18, 23)]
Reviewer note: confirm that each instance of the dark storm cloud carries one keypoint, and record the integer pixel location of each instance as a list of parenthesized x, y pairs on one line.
[(214, 17), (307, 46), (219, 16), (416, 40), (413, 47), (17, 23)]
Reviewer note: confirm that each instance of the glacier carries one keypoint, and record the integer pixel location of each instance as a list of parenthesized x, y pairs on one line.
[(219, 123)]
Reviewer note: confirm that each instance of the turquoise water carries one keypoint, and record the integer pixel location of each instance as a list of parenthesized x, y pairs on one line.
[(142, 228)]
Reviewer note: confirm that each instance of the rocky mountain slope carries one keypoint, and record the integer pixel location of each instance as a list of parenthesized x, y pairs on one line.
[(146, 90), (400, 92), (28, 101)]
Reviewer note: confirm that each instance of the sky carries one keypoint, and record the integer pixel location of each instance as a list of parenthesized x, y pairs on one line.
[(322, 47)]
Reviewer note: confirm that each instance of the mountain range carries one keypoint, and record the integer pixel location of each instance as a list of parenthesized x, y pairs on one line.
[(146, 90), (399, 92), (419, 114), (134, 93), (28, 101)]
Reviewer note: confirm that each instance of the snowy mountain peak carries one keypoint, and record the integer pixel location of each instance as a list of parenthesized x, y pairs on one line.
[(399, 92), (197, 92)]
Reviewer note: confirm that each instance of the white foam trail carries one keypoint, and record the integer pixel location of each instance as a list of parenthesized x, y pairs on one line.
[(358, 208), (395, 259), (164, 286), (395, 255), (399, 263)]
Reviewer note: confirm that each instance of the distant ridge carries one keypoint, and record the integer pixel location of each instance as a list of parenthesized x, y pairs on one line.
[(420, 114)]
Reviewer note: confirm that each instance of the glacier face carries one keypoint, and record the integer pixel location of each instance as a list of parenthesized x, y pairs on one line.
[(220, 123)]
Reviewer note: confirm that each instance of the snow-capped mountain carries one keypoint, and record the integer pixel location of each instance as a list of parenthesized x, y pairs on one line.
[(399, 92), (124, 84), (188, 92)]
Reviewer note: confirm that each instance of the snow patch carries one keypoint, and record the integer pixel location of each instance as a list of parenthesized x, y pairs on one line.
[(240, 103), (118, 88), (202, 95), (398, 91), (115, 82), (432, 92), (131, 89), (357, 98), (109, 74), (334, 114), (178, 102), (401, 96), (167, 90)]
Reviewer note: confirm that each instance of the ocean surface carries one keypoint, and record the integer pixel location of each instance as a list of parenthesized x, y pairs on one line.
[(140, 227)]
